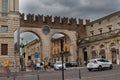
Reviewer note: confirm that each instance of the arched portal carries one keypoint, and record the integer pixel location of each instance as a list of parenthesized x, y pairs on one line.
[(45, 29), (102, 51), (30, 47), (60, 43), (113, 53), (85, 55), (69, 45)]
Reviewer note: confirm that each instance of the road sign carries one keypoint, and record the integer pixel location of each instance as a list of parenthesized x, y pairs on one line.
[(36, 55)]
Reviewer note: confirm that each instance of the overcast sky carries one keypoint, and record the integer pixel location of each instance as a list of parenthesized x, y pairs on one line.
[(84, 9)]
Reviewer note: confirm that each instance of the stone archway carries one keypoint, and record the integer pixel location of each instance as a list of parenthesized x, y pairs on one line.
[(72, 42), (85, 56), (37, 25), (113, 53), (102, 53)]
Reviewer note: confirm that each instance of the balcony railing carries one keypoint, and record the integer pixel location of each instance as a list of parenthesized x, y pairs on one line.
[(102, 36)]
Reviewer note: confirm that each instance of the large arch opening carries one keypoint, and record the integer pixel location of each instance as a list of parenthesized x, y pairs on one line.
[(113, 52), (30, 48), (60, 42)]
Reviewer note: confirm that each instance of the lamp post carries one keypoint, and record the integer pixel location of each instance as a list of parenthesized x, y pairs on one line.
[(21, 55), (62, 56)]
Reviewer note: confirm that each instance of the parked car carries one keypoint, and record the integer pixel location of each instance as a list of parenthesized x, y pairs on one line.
[(99, 63), (71, 64), (58, 65), (51, 64)]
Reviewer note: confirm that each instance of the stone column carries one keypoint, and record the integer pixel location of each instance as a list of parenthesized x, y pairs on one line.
[(117, 48), (16, 5), (107, 52), (81, 55), (45, 47), (73, 48), (11, 5)]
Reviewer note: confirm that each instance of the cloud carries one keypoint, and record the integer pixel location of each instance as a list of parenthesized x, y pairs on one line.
[(84, 9), (92, 9)]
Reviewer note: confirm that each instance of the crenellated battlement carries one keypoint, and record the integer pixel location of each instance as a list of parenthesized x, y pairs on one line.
[(32, 20)]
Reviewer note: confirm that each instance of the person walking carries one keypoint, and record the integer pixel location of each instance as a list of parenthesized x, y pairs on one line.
[(38, 66)]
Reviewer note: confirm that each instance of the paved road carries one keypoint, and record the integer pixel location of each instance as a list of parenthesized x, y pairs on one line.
[(70, 74)]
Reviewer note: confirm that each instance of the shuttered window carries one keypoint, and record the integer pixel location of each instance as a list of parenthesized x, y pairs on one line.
[(4, 49)]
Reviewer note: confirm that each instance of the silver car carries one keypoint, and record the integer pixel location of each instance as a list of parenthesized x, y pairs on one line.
[(99, 63), (58, 65)]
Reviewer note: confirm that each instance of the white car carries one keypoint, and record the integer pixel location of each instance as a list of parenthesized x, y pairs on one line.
[(99, 63), (58, 65)]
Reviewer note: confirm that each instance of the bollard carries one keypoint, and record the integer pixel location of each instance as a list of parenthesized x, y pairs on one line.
[(8, 73), (14, 77), (79, 74), (37, 76)]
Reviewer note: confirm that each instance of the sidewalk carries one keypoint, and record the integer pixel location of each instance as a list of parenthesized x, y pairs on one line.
[(30, 72)]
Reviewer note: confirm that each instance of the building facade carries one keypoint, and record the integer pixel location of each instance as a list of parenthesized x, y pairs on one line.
[(45, 29), (102, 39), (99, 38), (32, 51), (9, 21), (56, 49)]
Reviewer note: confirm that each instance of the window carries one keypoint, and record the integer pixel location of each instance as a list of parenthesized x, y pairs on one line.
[(4, 49), (100, 30), (4, 6), (91, 25), (110, 29), (4, 29), (92, 33), (118, 24), (100, 22)]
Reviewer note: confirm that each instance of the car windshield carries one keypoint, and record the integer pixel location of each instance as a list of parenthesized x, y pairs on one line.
[(58, 62), (91, 61)]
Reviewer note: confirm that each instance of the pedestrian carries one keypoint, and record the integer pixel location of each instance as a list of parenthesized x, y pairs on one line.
[(42, 66), (38, 66)]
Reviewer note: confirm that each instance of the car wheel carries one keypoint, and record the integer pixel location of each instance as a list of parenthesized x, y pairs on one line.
[(89, 69), (110, 67), (100, 68)]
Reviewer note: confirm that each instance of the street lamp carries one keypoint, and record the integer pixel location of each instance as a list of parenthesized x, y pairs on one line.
[(62, 52), (21, 55)]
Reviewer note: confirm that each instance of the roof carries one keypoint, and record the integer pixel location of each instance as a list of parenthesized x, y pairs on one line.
[(105, 17)]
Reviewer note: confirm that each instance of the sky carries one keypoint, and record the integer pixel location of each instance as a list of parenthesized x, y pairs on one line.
[(83, 9), (79, 9)]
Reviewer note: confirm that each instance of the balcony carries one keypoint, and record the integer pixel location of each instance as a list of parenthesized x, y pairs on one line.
[(102, 36)]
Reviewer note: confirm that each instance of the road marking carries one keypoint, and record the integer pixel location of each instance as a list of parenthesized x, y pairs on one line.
[(72, 79)]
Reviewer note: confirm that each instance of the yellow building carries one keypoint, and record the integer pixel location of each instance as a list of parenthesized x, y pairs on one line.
[(9, 21), (56, 49), (32, 51)]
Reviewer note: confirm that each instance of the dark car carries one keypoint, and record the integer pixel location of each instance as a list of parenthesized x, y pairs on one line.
[(71, 64), (51, 64)]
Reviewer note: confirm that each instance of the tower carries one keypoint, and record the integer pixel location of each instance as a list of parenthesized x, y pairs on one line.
[(7, 6), (9, 21)]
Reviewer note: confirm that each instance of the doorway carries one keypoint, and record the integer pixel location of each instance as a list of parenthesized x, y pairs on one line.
[(85, 56)]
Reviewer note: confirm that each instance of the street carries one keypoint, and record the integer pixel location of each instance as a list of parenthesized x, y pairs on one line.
[(70, 74)]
